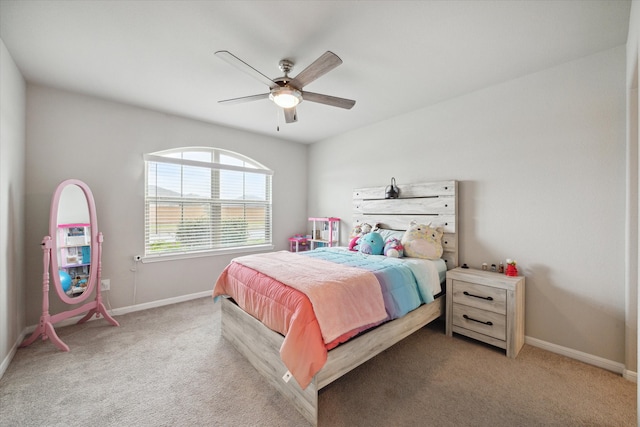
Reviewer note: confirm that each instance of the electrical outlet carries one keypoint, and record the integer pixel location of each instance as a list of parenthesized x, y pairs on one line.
[(105, 284)]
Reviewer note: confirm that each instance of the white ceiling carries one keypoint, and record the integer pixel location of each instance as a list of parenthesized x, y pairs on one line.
[(398, 56)]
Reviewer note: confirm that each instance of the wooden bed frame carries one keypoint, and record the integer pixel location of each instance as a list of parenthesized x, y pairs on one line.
[(434, 202)]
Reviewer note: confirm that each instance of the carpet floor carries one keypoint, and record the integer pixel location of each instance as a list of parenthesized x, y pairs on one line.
[(169, 366)]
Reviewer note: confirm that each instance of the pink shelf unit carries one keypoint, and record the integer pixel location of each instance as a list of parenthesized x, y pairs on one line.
[(324, 231)]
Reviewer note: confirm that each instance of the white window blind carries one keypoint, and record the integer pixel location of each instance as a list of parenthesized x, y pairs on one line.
[(203, 199)]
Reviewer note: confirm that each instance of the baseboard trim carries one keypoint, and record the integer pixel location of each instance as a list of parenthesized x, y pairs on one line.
[(630, 375), (159, 303), (590, 359), (7, 360)]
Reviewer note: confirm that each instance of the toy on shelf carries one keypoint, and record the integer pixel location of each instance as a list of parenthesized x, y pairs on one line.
[(512, 270), (298, 243)]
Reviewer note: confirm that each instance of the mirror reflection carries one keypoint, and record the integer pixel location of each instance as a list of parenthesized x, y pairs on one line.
[(73, 241)]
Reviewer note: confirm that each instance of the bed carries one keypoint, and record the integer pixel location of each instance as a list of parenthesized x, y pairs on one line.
[(263, 345)]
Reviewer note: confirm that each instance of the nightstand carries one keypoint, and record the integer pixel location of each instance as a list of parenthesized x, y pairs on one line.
[(486, 306)]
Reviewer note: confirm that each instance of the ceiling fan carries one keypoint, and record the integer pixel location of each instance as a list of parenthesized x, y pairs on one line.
[(286, 92)]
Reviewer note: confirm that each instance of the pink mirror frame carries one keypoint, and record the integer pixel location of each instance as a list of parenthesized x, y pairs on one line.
[(53, 232), (45, 328)]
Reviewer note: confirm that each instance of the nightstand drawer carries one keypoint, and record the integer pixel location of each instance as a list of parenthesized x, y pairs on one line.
[(481, 321), (480, 296)]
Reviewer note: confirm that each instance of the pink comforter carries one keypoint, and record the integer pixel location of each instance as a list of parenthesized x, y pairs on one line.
[(288, 311), (343, 298)]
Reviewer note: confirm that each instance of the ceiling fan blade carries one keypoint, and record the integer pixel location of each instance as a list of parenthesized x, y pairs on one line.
[(334, 101), (321, 66), (290, 115), (244, 67), (244, 99)]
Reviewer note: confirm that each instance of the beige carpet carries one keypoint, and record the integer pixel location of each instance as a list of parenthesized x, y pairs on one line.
[(170, 367)]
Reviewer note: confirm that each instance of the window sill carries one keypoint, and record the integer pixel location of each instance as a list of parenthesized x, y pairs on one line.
[(214, 252)]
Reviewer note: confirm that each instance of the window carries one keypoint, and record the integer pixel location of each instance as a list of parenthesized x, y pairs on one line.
[(205, 199)]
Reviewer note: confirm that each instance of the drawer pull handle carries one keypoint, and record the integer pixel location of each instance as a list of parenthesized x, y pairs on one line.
[(489, 323), (478, 296)]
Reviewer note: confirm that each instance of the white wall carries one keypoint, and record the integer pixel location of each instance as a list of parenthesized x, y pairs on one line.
[(12, 226), (633, 201), (541, 165), (102, 143)]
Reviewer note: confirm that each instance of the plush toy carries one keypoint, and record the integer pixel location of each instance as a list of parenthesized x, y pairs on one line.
[(357, 232), (366, 228), (371, 243), (423, 241), (393, 248), (353, 244)]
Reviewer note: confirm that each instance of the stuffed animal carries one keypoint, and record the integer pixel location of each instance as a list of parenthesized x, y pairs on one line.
[(423, 241), (371, 244), (357, 232), (353, 244), (365, 229), (393, 248)]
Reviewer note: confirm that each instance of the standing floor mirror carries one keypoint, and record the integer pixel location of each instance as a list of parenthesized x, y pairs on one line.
[(71, 260)]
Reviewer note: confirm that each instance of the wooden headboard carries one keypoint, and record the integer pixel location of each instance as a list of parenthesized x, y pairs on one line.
[(429, 202)]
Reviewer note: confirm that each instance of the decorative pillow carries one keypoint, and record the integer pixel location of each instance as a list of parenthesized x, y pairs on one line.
[(423, 241), (393, 248), (371, 243)]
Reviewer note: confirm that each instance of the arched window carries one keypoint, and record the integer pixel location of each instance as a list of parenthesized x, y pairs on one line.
[(200, 199)]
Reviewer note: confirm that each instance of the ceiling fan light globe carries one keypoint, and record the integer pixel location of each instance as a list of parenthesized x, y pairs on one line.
[(286, 97)]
